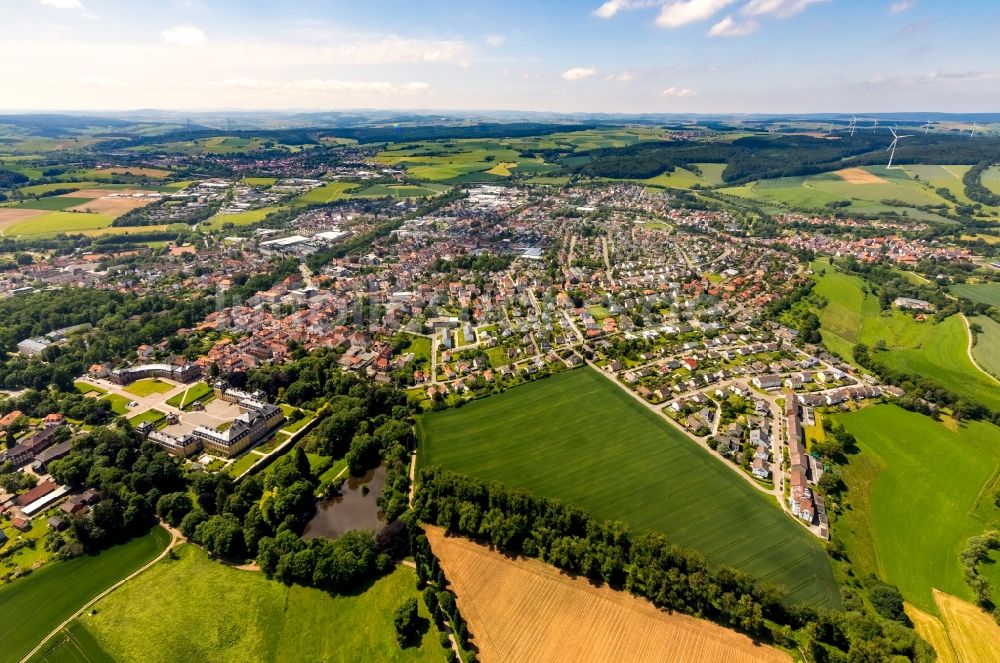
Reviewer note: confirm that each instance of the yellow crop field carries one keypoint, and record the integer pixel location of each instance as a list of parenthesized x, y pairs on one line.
[(933, 631), (974, 634), (525, 610)]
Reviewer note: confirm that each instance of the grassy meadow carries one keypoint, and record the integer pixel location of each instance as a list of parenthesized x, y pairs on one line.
[(31, 607), (55, 222), (325, 194), (207, 611), (980, 293), (986, 351), (917, 491), (937, 351), (149, 386), (885, 190), (578, 437)]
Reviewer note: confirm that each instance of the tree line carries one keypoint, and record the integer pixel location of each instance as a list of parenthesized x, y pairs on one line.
[(648, 565)]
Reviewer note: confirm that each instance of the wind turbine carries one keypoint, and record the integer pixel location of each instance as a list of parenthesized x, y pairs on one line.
[(874, 126), (892, 147), (927, 126), (853, 125), (973, 132)]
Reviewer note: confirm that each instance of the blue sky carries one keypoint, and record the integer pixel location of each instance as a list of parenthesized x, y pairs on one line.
[(598, 56)]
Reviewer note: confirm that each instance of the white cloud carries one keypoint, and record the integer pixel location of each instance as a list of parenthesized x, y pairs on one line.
[(682, 12), (612, 7), (578, 73), (183, 35), (902, 6), (62, 4), (779, 8), (729, 27), (622, 76), (495, 40), (677, 92)]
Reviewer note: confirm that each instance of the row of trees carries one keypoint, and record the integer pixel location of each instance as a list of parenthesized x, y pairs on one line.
[(649, 566), (977, 551), (974, 189)]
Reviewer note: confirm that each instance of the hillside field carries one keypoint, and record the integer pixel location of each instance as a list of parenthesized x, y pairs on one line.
[(918, 490), (881, 190), (986, 351), (31, 607), (981, 293), (524, 610), (207, 611), (935, 351), (578, 437)]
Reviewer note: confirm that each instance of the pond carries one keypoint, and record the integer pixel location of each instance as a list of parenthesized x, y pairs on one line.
[(351, 510)]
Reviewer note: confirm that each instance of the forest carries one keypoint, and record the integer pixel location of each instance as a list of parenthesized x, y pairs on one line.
[(770, 156)]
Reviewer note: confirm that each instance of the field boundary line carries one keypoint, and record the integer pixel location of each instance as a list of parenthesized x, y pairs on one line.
[(71, 618)]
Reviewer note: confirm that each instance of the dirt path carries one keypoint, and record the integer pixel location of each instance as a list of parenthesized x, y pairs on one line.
[(413, 474), (175, 538)]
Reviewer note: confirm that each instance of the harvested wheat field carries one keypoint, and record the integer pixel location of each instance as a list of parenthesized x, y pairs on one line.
[(974, 634), (933, 631), (859, 176), (524, 610), (114, 203)]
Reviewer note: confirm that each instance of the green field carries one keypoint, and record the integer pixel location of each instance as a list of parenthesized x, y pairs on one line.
[(935, 351), (119, 404), (149, 416), (578, 437), (917, 491), (324, 194), (991, 179), (195, 392), (241, 218), (53, 203), (206, 611), (981, 293), (399, 191), (86, 388), (35, 189), (149, 386), (986, 351), (260, 181), (53, 223), (468, 160), (815, 191), (31, 607), (682, 178)]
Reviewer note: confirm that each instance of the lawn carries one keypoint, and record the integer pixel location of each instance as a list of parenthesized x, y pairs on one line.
[(242, 464), (197, 391), (52, 223), (150, 416), (119, 404), (420, 346), (324, 194), (148, 387), (86, 388), (987, 348), (935, 351), (193, 618), (578, 437), (981, 293), (31, 607), (917, 491)]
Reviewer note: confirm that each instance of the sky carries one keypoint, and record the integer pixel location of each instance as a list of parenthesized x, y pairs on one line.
[(608, 56)]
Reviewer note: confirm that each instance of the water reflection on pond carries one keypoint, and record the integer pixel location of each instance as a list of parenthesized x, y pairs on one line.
[(351, 510)]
